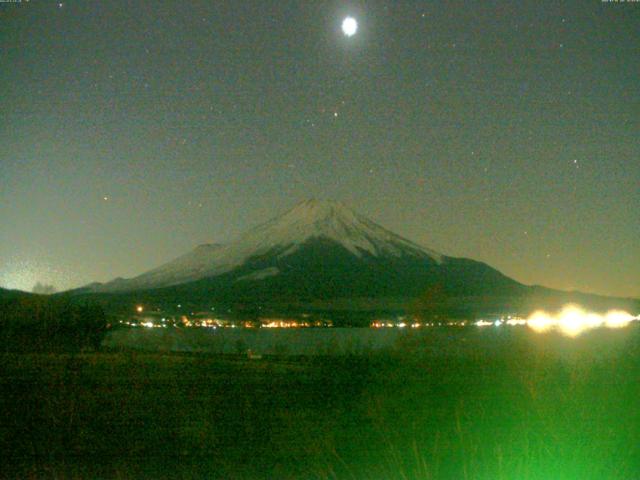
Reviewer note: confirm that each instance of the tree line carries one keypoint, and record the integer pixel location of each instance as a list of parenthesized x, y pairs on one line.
[(40, 323)]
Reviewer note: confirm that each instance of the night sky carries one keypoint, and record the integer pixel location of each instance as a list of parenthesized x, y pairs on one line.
[(507, 132)]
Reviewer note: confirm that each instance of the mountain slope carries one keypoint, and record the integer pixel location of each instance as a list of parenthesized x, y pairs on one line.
[(321, 269), (12, 294), (282, 237), (322, 255)]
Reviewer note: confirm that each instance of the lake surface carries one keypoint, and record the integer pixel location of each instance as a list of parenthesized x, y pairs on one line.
[(340, 341)]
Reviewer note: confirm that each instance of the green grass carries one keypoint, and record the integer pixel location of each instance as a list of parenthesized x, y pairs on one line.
[(532, 407)]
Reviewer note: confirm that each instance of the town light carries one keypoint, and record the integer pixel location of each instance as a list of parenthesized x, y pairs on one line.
[(573, 320)]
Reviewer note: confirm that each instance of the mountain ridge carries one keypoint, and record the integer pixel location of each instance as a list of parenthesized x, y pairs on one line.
[(322, 255), (307, 220)]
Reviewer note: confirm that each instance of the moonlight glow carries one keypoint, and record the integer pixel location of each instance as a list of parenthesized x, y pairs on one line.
[(349, 26)]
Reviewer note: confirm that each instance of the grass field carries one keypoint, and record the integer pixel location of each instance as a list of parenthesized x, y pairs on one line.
[(533, 407)]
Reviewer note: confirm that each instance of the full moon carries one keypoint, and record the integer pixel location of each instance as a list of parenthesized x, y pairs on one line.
[(349, 26)]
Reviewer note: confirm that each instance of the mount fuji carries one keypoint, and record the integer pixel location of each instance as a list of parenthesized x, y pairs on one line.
[(307, 223), (322, 254)]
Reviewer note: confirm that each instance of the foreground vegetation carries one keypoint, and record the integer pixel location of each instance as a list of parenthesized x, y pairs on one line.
[(42, 323), (531, 407)]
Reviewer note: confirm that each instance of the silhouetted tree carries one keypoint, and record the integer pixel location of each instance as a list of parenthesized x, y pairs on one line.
[(44, 289)]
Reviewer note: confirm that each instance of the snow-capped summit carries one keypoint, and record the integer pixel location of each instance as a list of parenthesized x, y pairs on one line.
[(282, 236), (334, 221)]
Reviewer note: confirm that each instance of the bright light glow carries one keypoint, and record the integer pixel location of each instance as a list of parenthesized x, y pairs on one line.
[(540, 322), (516, 321), (139, 309), (483, 323), (349, 26), (618, 319), (573, 320)]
